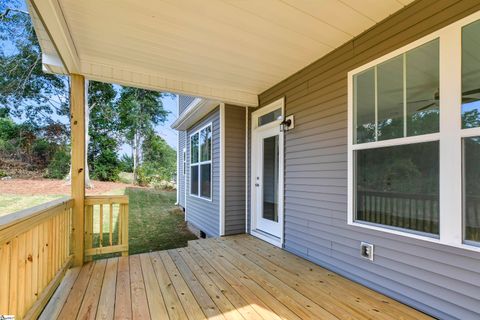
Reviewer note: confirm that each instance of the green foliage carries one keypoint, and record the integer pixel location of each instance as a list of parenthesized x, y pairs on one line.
[(103, 130), (59, 165), (159, 162), (106, 166), (139, 111), (126, 163), (159, 156)]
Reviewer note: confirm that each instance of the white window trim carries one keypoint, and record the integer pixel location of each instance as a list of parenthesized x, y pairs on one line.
[(199, 163), (450, 137)]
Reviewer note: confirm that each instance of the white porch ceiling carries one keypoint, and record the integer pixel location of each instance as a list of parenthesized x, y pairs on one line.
[(227, 50)]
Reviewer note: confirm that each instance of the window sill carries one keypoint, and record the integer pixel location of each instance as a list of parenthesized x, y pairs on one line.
[(463, 246), (199, 197)]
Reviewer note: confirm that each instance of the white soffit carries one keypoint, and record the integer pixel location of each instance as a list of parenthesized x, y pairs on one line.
[(225, 50)]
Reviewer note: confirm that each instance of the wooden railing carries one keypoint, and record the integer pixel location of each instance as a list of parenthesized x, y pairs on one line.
[(34, 255), (106, 225), (472, 218), (413, 211)]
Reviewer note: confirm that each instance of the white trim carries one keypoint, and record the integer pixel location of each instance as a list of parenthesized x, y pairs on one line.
[(193, 112), (450, 137), (178, 159), (254, 155), (199, 163), (280, 103), (222, 171), (265, 237), (246, 169), (451, 232), (53, 21)]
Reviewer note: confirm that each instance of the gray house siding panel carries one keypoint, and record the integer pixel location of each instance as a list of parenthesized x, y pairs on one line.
[(202, 213), (181, 177), (440, 280), (183, 102), (234, 169)]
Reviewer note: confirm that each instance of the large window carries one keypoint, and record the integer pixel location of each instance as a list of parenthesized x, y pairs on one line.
[(398, 185), (414, 139), (471, 133), (201, 163)]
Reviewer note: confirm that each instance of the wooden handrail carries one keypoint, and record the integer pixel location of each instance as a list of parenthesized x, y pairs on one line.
[(110, 214), (34, 253)]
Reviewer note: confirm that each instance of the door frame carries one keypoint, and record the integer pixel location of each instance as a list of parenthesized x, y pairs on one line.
[(255, 150)]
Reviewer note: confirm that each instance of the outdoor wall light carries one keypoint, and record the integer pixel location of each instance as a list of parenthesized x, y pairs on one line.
[(287, 124)]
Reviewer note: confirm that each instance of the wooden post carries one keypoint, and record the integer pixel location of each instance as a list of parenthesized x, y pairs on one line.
[(77, 123)]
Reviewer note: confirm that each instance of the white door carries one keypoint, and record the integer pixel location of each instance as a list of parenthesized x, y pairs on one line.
[(267, 174)]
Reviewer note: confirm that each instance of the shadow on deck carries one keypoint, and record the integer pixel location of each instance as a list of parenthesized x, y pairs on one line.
[(236, 277)]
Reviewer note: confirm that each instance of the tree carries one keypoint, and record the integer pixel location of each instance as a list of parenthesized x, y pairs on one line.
[(25, 90), (103, 131), (139, 111), (158, 157)]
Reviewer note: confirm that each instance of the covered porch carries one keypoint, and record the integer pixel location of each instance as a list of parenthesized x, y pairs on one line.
[(236, 277)]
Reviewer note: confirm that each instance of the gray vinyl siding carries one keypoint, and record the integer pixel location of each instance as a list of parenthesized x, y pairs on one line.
[(440, 280), (205, 214), (181, 177), (183, 102), (234, 169)]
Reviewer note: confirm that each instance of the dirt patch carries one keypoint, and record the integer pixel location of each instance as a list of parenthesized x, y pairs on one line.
[(54, 187)]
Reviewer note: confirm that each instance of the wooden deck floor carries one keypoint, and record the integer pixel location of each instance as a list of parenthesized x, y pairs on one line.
[(237, 277)]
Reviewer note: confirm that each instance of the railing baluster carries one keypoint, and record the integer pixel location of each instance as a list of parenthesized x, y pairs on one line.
[(110, 227), (115, 218), (101, 225)]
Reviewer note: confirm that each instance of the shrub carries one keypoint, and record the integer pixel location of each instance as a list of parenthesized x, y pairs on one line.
[(105, 166), (59, 165), (126, 163)]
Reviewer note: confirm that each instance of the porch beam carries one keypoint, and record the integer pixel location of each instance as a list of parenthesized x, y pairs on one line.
[(77, 123)]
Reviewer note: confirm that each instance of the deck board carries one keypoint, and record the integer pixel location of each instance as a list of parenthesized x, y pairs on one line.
[(237, 277)]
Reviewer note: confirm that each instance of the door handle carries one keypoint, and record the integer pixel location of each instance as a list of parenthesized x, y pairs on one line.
[(257, 185)]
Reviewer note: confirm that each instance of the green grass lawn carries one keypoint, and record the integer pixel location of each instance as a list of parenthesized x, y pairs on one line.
[(155, 223), (13, 203)]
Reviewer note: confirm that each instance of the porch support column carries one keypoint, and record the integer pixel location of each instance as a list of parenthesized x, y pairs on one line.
[(77, 123)]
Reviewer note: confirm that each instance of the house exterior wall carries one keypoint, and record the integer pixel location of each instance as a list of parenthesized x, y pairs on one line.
[(440, 280), (204, 214), (234, 169), (182, 136), (183, 103)]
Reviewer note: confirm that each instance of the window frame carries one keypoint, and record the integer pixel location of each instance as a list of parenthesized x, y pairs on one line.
[(450, 135), (199, 163)]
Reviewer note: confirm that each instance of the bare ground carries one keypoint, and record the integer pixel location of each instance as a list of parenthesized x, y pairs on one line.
[(53, 187)]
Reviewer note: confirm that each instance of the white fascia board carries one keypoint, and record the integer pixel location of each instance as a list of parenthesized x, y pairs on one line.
[(195, 111), (52, 20), (141, 78)]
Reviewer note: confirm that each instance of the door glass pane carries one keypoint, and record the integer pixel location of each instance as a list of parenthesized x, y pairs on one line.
[(194, 180), (423, 89), (364, 106), (206, 144), (471, 75), (206, 177), (194, 148), (270, 117), (471, 178), (399, 186), (390, 99), (270, 178)]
